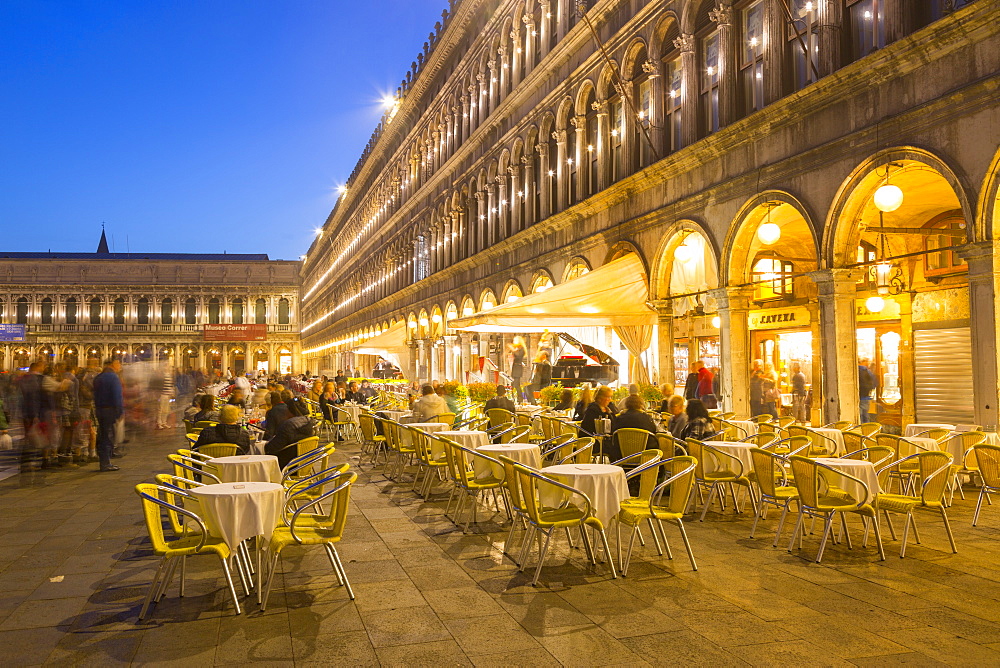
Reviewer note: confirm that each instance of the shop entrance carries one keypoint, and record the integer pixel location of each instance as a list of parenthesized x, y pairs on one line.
[(782, 350), (880, 345)]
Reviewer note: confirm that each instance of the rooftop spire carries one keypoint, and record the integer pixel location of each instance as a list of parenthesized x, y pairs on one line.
[(102, 246)]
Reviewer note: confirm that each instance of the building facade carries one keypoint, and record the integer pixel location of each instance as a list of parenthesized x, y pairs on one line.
[(75, 307), (752, 154)]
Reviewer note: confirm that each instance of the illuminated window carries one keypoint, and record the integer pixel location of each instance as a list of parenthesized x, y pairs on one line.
[(46, 311), (616, 122), (95, 311), (214, 309), (118, 311), (190, 311), (672, 106), (237, 311), (71, 311), (710, 82), (260, 312), (167, 311), (803, 42), (772, 279), (752, 60), (867, 26), (644, 98), (142, 311), (283, 311), (938, 260)]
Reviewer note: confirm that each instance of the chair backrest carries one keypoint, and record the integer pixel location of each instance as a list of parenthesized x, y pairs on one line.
[(548, 430), (632, 441), (767, 428), (498, 416), (939, 435), (839, 424), (669, 444), (806, 476), (761, 440), (768, 467), (647, 474), (970, 439), (510, 481), (338, 499), (854, 441), (219, 449), (988, 461), (366, 422), (869, 428), (155, 499), (523, 420), (458, 467), (444, 418), (584, 454), (934, 478), (785, 420), (307, 445), (696, 449), (202, 424), (531, 481), (680, 478), (890, 441), (765, 418), (559, 453), (517, 434)]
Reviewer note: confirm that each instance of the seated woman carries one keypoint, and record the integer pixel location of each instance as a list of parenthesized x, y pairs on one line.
[(207, 412), (194, 408), (292, 430), (699, 425), (276, 414), (227, 431), (565, 400)]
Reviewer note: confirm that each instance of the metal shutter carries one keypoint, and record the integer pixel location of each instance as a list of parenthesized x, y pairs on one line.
[(943, 370)]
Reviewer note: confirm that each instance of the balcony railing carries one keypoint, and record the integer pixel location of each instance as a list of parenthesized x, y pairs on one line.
[(120, 329)]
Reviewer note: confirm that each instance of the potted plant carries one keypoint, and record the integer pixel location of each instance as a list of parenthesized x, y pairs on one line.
[(481, 392), (550, 395)]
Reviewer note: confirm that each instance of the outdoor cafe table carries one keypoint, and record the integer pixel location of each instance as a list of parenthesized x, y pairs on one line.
[(916, 428), (354, 410), (739, 450), (396, 415), (957, 450), (860, 469), (470, 439), (908, 448), (247, 468), (749, 427), (235, 512), (834, 435), (429, 427), (528, 454), (604, 484)]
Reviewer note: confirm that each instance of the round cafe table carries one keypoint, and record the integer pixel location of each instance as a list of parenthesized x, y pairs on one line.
[(235, 512), (528, 454), (834, 435), (354, 410), (247, 468), (395, 415), (466, 438), (739, 450), (908, 448), (429, 427), (604, 485), (748, 426), (917, 427), (860, 469)]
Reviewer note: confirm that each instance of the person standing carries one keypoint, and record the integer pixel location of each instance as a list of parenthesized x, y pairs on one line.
[(756, 389), (705, 390), (769, 391), (691, 383), (866, 384), (518, 353), (109, 406), (541, 376), (798, 393), (166, 396)]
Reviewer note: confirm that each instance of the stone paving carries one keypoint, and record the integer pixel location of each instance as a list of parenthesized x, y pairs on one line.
[(75, 563)]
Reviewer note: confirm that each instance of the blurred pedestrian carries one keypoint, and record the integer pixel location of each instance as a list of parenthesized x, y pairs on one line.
[(109, 406)]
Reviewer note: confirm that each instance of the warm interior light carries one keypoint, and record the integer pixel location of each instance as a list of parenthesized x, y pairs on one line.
[(412, 324), (875, 304), (769, 233), (888, 198), (467, 311), (436, 317), (684, 253), (716, 322)]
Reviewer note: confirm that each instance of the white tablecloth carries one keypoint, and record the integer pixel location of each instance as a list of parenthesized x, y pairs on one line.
[(860, 469), (247, 468), (957, 450), (469, 439), (522, 453), (237, 511), (396, 415), (906, 447), (354, 410), (916, 428), (748, 426), (739, 450), (836, 436), (604, 485), (429, 427)]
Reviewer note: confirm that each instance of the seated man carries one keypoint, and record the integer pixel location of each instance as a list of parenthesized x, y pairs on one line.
[(292, 430), (429, 404), (678, 418), (633, 417), (227, 431), (500, 400), (354, 395)]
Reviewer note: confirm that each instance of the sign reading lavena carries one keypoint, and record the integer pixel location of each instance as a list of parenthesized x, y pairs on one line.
[(12, 332), (235, 332)]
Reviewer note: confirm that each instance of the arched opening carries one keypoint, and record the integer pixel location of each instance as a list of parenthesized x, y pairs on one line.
[(214, 309), (93, 356), (190, 311), (284, 361), (46, 354), (284, 311), (511, 292), (142, 311), (71, 357), (21, 311), (71, 314), (95, 311), (46, 311), (260, 312), (487, 299), (214, 359), (260, 360), (236, 309), (576, 268), (541, 282), (190, 358), (167, 311), (21, 359), (118, 311), (238, 361)]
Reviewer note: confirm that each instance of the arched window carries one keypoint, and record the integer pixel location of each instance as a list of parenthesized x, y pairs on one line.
[(260, 312), (642, 131), (708, 66), (47, 311), (190, 311), (119, 311), (866, 26), (283, 311), (95, 311), (616, 133), (21, 311), (71, 311), (213, 311), (802, 42), (237, 311), (569, 169), (772, 277), (672, 104), (167, 311), (752, 57), (142, 311), (552, 173), (592, 149)]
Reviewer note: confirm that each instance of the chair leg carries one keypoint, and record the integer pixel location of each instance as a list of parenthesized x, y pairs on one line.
[(525, 546), (272, 567), (947, 528), (781, 523), (979, 505), (588, 548), (687, 543), (656, 539), (342, 573), (795, 532), (888, 520), (232, 587), (827, 526), (711, 495), (663, 537), (628, 554), (916, 532), (541, 557), (153, 586), (847, 533), (607, 551), (878, 539)]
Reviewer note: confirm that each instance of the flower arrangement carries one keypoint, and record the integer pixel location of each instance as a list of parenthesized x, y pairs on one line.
[(652, 395), (619, 393), (481, 392), (453, 388), (550, 395)]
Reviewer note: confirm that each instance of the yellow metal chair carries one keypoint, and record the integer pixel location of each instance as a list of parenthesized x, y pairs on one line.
[(202, 424), (499, 416), (814, 481), (680, 479), (869, 428), (214, 450), (577, 511), (190, 468), (855, 441), (967, 441), (517, 434), (463, 474), (430, 465), (761, 440), (821, 445), (772, 488), (670, 445), (939, 435), (987, 464), (372, 441), (728, 470), (445, 418), (559, 452), (842, 425), (156, 499), (583, 454), (514, 502), (303, 528), (632, 441), (933, 468)]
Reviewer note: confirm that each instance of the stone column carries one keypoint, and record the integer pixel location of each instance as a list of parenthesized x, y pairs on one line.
[(516, 57), (482, 99), (689, 89), (491, 215), (493, 85), (434, 372), (734, 340), (839, 345), (774, 50), (665, 340), (545, 182), (984, 280), (560, 137), (513, 185), (530, 35), (545, 30), (503, 217), (907, 369), (504, 74), (467, 112), (728, 69), (830, 21), (527, 204), (423, 358)]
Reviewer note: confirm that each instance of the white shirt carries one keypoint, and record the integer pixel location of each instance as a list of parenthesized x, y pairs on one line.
[(429, 405)]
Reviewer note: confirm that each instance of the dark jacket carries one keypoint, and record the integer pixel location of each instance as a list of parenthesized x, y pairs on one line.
[(633, 420), (225, 433), (678, 423), (211, 415), (517, 363), (866, 382), (542, 376), (33, 405), (699, 428), (108, 392), (691, 386), (592, 413), (500, 402), (356, 397), (291, 430), (273, 419)]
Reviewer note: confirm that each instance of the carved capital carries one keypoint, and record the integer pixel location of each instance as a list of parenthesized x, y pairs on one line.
[(600, 106), (524, 160), (723, 15), (528, 21), (559, 136), (685, 42), (542, 149), (579, 122), (650, 69), (480, 77), (492, 64)]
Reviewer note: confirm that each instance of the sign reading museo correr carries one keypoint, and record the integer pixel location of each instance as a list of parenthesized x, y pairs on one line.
[(235, 332)]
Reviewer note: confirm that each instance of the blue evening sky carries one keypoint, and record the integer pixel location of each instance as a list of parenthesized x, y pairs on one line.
[(190, 125)]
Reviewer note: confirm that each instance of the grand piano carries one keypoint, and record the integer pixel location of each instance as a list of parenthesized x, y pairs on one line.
[(581, 363)]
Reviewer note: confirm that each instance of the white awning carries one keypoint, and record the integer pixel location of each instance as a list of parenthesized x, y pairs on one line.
[(614, 295), (390, 344)]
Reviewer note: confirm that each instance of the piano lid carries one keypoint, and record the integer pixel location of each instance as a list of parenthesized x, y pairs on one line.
[(595, 355)]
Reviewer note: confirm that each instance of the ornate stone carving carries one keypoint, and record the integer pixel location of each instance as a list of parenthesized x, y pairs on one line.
[(649, 68), (600, 106), (685, 42), (579, 122), (722, 14), (559, 136)]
